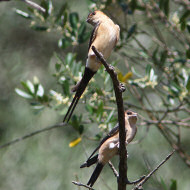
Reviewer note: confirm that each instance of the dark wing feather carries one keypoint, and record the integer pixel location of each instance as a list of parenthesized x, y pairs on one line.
[(93, 35), (110, 134)]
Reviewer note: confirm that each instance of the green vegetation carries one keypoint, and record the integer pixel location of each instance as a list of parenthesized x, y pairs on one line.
[(43, 55)]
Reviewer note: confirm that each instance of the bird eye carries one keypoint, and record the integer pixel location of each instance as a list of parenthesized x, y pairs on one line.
[(129, 113), (93, 13)]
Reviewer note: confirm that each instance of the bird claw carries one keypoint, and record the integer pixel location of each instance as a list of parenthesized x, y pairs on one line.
[(122, 87), (111, 67)]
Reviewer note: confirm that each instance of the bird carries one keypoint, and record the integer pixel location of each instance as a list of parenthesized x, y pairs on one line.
[(104, 38), (109, 146)]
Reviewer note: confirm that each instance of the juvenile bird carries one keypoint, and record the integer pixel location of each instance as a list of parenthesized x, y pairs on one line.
[(109, 146), (104, 37)]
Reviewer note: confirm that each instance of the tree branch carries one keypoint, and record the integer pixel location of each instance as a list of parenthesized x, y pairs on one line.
[(82, 185), (152, 172), (32, 134), (32, 4), (118, 88)]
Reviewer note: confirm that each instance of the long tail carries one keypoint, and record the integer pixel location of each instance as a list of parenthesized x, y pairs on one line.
[(90, 162), (81, 86), (95, 174)]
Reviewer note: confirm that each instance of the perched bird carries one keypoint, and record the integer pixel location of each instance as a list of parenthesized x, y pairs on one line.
[(109, 146), (104, 37)]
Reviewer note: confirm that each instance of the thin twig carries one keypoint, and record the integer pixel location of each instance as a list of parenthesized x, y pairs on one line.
[(32, 134), (152, 172), (113, 169), (82, 185), (169, 122), (32, 4), (118, 88)]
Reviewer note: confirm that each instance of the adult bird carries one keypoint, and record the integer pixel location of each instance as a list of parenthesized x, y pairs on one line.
[(109, 146), (104, 37)]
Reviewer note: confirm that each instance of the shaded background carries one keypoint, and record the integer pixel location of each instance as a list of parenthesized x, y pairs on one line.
[(46, 161)]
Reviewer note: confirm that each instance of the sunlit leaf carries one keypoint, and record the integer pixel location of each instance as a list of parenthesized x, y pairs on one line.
[(23, 14), (75, 142), (40, 91), (30, 86), (23, 93)]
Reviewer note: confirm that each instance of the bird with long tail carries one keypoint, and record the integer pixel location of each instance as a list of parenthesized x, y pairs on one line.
[(109, 146), (104, 37)]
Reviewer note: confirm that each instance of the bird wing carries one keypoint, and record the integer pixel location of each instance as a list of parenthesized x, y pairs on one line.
[(93, 36), (110, 134)]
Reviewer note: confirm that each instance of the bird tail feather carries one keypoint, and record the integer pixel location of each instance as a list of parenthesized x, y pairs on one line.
[(79, 88), (90, 162), (95, 174)]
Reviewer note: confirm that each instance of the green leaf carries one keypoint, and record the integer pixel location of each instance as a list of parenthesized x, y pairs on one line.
[(61, 11), (184, 16), (131, 30), (188, 28), (183, 25), (39, 28), (81, 129), (57, 67), (23, 14), (163, 184), (166, 7), (74, 18), (30, 86), (188, 84), (89, 108), (66, 88), (154, 55), (64, 42), (81, 32), (133, 5), (173, 185), (70, 58), (23, 93), (164, 55), (47, 5), (148, 69), (40, 91), (188, 53)]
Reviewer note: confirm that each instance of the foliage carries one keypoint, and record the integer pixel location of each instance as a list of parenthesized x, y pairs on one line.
[(154, 52)]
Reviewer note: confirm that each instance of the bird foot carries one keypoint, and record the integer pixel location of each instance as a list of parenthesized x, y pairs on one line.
[(122, 87)]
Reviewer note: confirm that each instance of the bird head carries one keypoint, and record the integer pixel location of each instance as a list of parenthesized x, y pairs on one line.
[(131, 116), (96, 17)]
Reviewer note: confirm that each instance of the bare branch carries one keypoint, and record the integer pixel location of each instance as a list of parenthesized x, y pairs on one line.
[(152, 172), (82, 185), (32, 4), (32, 134), (170, 122), (113, 169), (118, 88)]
